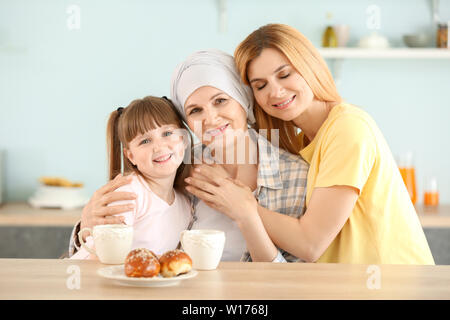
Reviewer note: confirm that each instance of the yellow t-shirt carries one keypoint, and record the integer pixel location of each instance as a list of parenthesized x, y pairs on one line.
[(383, 227)]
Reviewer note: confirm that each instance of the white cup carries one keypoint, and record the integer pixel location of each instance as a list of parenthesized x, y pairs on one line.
[(112, 242), (205, 247)]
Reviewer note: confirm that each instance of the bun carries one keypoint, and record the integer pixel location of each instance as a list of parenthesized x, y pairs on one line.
[(59, 182), (175, 262), (141, 263)]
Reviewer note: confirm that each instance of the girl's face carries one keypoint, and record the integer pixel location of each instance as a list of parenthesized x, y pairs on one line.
[(278, 88), (158, 153), (213, 115)]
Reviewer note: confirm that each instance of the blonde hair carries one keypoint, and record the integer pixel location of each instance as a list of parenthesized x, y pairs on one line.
[(140, 116), (303, 56)]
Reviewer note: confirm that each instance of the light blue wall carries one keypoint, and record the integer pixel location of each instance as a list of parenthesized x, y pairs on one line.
[(57, 86)]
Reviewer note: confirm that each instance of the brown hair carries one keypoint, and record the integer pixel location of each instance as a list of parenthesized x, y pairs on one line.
[(303, 56), (140, 116)]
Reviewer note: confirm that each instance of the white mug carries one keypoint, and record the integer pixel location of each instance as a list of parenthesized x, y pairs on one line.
[(205, 247), (112, 242)]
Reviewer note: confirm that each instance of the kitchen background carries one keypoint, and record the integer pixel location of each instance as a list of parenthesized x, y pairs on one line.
[(61, 76)]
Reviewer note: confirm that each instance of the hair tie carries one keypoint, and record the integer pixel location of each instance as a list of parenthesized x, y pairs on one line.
[(119, 110), (164, 97)]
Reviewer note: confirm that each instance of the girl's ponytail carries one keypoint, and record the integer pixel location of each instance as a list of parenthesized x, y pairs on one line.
[(113, 143)]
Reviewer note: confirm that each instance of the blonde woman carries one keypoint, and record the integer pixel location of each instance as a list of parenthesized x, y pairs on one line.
[(358, 209)]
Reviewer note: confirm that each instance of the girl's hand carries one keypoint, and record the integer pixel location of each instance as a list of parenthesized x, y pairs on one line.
[(97, 210), (223, 194)]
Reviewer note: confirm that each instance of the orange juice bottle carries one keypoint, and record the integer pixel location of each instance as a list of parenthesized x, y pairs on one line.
[(408, 173)]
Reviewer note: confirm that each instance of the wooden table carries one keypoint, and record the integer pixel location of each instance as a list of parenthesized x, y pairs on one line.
[(48, 278)]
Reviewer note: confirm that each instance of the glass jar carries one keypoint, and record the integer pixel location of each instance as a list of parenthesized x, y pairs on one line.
[(431, 194), (442, 35), (408, 172)]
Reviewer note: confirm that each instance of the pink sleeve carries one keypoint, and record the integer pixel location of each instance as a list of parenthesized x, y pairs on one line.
[(83, 254)]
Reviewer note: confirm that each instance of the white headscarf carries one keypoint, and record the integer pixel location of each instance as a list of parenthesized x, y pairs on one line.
[(210, 68)]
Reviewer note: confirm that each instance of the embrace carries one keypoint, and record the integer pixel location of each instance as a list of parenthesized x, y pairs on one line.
[(286, 168)]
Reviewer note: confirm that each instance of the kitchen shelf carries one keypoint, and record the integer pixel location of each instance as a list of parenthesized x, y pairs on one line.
[(391, 53), (337, 55)]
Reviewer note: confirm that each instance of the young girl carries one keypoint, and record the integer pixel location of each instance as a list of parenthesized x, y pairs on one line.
[(153, 138)]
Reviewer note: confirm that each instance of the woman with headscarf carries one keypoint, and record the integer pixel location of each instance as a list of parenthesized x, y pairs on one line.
[(215, 104)]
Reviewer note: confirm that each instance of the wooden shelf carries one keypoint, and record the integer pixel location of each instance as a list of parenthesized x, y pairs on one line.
[(391, 53), (336, 56)]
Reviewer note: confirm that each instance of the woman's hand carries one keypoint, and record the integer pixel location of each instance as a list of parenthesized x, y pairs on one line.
[(215, 171), (97, 210), (213, 185), (222, 193)]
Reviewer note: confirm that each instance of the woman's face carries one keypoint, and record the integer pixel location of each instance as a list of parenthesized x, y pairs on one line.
[(157, 153), (213, 115), (278, 88)]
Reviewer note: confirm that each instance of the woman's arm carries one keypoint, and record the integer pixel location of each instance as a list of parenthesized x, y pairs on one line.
[(309, 236), (258, 242), (306, 237), (237, 202), (97, 210)]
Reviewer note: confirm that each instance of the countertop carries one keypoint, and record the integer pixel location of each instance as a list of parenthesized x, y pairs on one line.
[(54, 279), (22, 214)]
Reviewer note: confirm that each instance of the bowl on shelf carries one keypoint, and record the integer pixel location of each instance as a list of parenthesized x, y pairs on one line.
[(374, 41), (419, 40)]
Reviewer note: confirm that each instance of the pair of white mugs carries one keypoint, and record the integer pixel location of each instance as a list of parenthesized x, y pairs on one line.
[(113, 242)]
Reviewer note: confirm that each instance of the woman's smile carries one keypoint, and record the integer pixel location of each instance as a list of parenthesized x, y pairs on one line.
[(218, 131), (284, 104)]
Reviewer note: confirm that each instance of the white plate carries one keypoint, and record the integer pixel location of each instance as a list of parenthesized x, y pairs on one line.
[(117, 273)]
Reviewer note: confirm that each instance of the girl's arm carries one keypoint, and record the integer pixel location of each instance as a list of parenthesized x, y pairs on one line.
[(309, 236)]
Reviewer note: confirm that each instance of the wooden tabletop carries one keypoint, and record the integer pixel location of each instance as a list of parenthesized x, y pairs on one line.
[(48, 279), (22, 214)]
